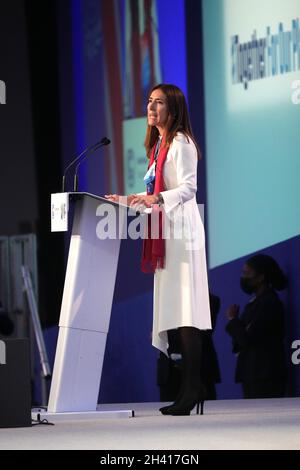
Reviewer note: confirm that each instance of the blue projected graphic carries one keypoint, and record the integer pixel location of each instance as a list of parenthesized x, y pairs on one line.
[(265, 57), (252, 137)]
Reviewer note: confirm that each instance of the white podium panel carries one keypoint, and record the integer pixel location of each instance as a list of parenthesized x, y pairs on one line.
[(91, 271), (86, 308), (79, 356)]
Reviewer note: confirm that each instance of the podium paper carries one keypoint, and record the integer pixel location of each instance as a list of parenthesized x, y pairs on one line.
[(59, 212)]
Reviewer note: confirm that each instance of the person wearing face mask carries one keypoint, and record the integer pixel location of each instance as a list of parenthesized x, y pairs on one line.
[(258, 333)]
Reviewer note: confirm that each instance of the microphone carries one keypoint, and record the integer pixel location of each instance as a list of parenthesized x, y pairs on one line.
[(85, 152), (104, 141)]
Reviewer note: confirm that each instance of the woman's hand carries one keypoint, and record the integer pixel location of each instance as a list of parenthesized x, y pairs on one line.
[(112, 197), (143, 200), (136, 201), (233, 311), (124, 199)]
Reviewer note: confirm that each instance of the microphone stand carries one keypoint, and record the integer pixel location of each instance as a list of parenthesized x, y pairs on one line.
[(103, 142), (88, 150)]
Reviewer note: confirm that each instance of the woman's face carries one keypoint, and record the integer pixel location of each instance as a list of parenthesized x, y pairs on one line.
[(248, 272), (157, 110), (250, 280)]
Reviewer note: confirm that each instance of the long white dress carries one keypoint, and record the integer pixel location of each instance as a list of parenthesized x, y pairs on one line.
[(181, 295)]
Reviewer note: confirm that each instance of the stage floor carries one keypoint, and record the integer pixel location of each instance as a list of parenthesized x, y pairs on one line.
[(226, 424)]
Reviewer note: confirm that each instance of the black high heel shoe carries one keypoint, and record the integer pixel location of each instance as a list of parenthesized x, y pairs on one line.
[(187, 402), (164, 409), (186, 410)]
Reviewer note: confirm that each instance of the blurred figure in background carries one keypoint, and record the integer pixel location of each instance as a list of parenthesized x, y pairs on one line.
[(6, 324), (258, 334), (210, 370)]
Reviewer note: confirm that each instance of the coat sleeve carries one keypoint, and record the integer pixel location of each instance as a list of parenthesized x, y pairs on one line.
[(267, 326), (184, 155)]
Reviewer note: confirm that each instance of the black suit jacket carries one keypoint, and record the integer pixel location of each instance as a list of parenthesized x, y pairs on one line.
[(258, 339)]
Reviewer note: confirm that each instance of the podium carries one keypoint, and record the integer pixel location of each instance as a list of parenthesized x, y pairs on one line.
[(86, 306)]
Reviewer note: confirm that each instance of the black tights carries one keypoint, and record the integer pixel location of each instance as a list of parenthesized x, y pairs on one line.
[(191, 349)]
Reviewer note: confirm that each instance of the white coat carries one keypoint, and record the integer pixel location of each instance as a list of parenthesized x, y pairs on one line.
[(181, 295)]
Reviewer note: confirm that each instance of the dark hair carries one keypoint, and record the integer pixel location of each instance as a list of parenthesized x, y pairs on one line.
[(266, 265), (179, 120)]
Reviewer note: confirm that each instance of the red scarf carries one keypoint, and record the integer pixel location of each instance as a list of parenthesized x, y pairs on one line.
[(153, 255)]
